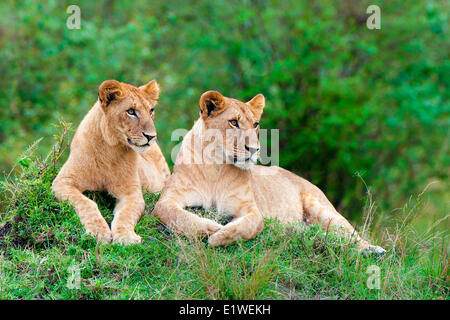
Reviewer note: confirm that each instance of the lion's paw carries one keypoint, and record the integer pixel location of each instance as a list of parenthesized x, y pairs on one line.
[(222, 238), (126, 238), (210, 226), (100, 231)]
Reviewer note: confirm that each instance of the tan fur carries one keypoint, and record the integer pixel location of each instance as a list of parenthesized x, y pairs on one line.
[(245, 192), (109, 151)]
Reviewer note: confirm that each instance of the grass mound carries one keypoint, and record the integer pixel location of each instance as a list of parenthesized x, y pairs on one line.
[(44, 254)]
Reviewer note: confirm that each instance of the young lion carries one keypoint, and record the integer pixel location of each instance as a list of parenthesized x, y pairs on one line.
[(114, 149), (235, 186)]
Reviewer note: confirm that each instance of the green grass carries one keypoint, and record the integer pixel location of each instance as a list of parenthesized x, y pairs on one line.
[(43, 247)]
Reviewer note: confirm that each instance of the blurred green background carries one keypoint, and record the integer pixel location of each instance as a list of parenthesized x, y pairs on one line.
[(346, 99)]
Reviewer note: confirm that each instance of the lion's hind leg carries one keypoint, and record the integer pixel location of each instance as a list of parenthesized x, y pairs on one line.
[(325, 215), (86, 209)]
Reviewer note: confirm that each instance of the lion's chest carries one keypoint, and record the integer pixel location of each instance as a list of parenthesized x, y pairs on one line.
[(224, 198)]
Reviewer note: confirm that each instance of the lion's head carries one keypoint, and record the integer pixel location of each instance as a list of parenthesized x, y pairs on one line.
[(237, 123), (128, 113)]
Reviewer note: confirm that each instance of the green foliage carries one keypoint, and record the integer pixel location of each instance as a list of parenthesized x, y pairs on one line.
[(42, 245)]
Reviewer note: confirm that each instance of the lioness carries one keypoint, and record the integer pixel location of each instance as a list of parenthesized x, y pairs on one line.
[(235, 186), (114, 149)]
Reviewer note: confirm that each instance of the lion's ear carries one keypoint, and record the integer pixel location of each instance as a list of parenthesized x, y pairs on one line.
[(257, 105), (211, 104), (152, 89), (108, 91)]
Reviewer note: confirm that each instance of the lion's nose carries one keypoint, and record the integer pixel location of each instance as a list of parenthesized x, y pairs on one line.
[(148, 136), (252, 150)]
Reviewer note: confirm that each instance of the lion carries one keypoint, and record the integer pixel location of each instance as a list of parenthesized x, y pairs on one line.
[(220, 172), (114, 149)]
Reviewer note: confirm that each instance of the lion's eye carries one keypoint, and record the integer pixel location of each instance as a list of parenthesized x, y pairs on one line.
[(151, 110), (255, 125), (132, 112), (234, 123)]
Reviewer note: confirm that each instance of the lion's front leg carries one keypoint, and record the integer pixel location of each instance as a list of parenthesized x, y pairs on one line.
[(247, 226), (172, 214), (128, 210), (153, 169), (86, 209)]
